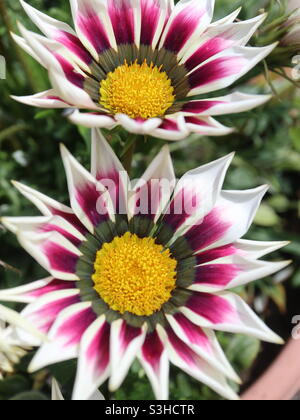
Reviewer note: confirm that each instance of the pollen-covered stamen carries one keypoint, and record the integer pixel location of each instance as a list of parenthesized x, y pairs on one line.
[(134, 275), (137, 90)]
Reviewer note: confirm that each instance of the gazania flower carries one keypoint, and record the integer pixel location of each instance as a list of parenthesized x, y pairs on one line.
[(141, 273), (140, 64), (10, 354), (11, 349)]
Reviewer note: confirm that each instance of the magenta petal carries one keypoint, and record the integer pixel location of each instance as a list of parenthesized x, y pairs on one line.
[(48, 227), (194, 333), (113, 182), (150, 14), (183, 206), (45, 316), (211, 307), (98, 351), (183, 350), (60, 258), (216, 274), (198, 107), (71, 74), (169, 125), (127, 334), (54, 286), (71, 218), (71, 332), (73, 44), (122, 19), (214, 254), (207, 50), (92, 203), (152, 350), (210, 230), (215, 70), (181, 29), (92, 28)]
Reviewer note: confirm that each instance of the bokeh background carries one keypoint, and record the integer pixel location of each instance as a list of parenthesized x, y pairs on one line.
[(267, 142)]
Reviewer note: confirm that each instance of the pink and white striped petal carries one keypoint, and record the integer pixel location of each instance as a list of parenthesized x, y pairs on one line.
[(93, 25), (66, 77), (48, 99), (94, 359), (48, 206), (214, 277), (155, 188), (219, 38), (44, 310), (187, 22), (225, 68), (107, 169), (172, 128), (125, 17), (154, 16), (36, 225), (257, 249), (125, 344), (22, 43), (203, 342), (138, 126), (196, 194), (154, 359), (30, 292), (190, 362), (207, 126), (65, 336), (60, 32), (219, 227), (60, 66), (53, 252), (92, 120), (90, 200), (234, 103), (243, 248), (227, 19), (227, 312)]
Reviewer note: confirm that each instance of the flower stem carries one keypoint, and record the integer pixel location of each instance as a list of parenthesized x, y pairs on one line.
[(128, 153)]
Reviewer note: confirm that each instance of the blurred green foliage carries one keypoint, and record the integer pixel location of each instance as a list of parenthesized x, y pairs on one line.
[(267, 142)]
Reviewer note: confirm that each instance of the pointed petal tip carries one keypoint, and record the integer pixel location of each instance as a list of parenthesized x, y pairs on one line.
[(263, 189), (112, 385), (64, 151), (18, 185), (278, 340), (33, 367)]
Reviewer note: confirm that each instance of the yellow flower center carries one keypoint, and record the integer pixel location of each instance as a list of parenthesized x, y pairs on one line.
[(134, 275), (140, 91)]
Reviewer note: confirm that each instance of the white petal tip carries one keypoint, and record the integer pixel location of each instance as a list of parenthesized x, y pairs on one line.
[(278, 340), (64, 151)]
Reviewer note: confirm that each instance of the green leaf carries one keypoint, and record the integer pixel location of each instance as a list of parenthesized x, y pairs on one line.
[(242, 351), (30, 396), (296, 279), (266, 216), (13, 385)]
